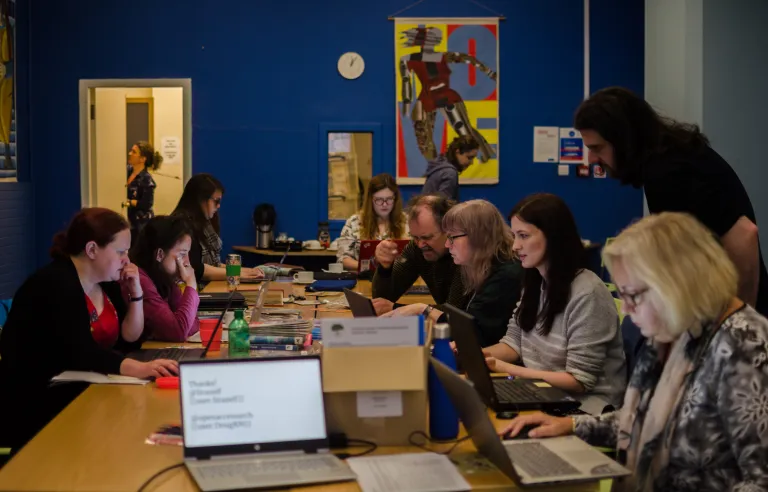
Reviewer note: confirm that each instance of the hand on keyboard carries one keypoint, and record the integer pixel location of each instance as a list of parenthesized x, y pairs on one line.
[(544, 426)]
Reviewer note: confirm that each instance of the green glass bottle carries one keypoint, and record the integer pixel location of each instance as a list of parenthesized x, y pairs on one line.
[(239, 336)]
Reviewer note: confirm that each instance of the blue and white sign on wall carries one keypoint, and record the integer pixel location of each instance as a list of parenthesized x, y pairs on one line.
[(571, 146)]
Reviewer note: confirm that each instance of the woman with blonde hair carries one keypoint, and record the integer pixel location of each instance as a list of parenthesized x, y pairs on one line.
[(695, 414), (480, 242), (381, 217)]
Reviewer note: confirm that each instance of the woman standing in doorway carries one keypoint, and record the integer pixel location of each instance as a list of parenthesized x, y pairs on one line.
[(140, 186)]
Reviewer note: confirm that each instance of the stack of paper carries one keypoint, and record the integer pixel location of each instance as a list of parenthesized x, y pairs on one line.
[(413, 472)]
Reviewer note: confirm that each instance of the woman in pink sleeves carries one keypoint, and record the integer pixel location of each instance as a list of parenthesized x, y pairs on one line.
[(167, 279)]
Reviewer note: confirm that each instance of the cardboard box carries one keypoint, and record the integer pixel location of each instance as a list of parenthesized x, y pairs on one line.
[(348, 371)]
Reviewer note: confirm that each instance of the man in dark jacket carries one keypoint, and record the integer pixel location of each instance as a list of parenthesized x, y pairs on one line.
[(443, 173)]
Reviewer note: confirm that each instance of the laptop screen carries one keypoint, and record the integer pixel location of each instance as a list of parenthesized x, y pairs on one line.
[(252, 401)]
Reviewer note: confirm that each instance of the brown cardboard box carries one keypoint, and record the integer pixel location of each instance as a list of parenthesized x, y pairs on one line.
[(348, 370)]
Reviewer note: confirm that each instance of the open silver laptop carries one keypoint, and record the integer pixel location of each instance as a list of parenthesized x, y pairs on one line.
[(256, 423), (525, 461)]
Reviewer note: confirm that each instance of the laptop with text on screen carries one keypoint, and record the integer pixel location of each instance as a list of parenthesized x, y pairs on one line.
[(256, 423)]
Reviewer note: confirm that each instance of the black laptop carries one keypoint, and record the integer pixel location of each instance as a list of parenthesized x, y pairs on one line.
[(501, 393), (361, 306), (181, 353)]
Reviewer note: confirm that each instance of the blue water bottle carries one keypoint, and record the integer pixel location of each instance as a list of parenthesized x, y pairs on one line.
[(443, 419)]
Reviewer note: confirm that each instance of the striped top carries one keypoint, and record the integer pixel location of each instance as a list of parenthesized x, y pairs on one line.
[(442, 277), (585, 341)]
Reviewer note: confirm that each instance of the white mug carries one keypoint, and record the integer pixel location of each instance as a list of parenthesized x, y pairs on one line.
[(335, 267), (304, 277)]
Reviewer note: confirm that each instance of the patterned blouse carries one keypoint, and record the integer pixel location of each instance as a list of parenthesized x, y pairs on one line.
[(720, 441), (349, 241), (141, 189)]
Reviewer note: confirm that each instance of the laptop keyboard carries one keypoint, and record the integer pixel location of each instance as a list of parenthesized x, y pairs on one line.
[(172, 353), (289, 467), (509, 391), (538, 461)]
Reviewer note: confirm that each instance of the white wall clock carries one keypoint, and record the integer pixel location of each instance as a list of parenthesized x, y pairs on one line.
[(351, 65)]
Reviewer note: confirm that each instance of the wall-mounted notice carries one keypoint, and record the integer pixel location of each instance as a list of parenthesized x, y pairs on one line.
[(571, 146), (545, 144), (170, 148)]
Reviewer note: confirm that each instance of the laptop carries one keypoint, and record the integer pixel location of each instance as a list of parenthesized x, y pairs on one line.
[(367, 260), (250, 280), (525, 461), (256, 423), (502, 393), (361, 306), (180, 353)]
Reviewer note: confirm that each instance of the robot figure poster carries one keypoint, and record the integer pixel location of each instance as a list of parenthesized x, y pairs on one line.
[(447, 85)]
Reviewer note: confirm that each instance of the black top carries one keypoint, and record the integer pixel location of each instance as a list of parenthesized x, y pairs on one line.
[(48, 331), (493, 303), (703, 184), (141, 189), (442, 277)]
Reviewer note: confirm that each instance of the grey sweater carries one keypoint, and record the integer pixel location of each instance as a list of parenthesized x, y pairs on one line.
[(585, 341)]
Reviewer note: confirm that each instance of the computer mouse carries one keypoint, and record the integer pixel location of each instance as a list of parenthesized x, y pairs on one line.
[(523, 434)]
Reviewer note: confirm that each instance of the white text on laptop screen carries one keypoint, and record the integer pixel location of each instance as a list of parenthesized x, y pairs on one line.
[(252, 402)]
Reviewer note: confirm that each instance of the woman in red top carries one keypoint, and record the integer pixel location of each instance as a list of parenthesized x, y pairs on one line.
[(162, 255), (70, 316)]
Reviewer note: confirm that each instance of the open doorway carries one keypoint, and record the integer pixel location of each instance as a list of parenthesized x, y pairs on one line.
[(117, 113)]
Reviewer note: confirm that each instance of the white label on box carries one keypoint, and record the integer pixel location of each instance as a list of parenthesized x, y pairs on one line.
[(379, 404)]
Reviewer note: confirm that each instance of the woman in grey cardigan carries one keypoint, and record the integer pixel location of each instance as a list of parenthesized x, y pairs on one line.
[(565, 329)]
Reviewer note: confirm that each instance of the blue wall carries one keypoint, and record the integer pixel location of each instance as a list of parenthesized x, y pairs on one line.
[(264, 78)]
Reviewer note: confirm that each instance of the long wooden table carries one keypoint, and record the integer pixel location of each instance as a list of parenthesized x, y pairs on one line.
[(97, 444)]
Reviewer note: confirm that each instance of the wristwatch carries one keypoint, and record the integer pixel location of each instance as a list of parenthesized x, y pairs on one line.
[(427, 311), (135, 299)]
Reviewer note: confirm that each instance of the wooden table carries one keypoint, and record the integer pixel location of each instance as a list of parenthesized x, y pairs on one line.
[(279, 254), (96, 444)]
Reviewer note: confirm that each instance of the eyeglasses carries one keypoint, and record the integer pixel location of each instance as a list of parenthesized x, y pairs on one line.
[(217, 201), (451, 239), (424, 239), (383, 201), (634, 299)]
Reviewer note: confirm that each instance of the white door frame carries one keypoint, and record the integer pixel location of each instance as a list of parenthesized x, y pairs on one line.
[(84, 90)]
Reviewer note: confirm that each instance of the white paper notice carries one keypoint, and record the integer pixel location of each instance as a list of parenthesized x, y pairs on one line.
[(563, 169), (379, 404), (170, 147), (546, 143), (412, 472)]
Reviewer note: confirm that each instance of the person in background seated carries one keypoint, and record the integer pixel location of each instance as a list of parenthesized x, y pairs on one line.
[(679, 172), (381, 217), (162, 255), (70, 316), (426, 256), (480, 242), (443, 173), (694, 414), (141, 187), (199, 205), (566, 328)]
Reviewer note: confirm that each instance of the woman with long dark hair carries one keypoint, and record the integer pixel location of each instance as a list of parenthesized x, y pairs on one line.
[(140, 187), (566, 328), (199, 205), (162, 255)]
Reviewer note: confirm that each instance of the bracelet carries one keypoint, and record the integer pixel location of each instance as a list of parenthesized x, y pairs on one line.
[(136, 299), (573, 429)]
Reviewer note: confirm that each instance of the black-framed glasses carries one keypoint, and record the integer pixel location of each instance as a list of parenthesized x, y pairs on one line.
[(383, 201), (634, 299), (451, 239)]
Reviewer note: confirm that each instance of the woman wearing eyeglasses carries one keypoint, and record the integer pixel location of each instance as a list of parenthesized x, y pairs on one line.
[(695, 414), (480, 242), (199, 204), (381, 217), (565, 330)]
